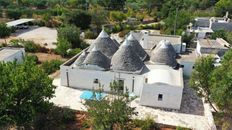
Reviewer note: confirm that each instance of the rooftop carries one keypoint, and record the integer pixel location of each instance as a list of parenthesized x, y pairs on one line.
[(17, 22), (164, 74), (7, 52), (148, 41), (208, 43)]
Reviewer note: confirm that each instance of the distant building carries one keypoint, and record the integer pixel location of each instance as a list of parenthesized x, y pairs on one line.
[(203, 27), (209, 46), (149, 41), (154, 76), (18, 22), (12, 54), (205, 47)]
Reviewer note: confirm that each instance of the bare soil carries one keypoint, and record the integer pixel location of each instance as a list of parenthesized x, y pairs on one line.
[(48, 57)]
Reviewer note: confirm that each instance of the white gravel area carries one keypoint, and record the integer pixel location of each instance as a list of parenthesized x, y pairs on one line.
[(202, 120), (67, 97), (39, 35)]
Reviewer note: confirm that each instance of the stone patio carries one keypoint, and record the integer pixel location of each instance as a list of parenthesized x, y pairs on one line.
[(193, 114)]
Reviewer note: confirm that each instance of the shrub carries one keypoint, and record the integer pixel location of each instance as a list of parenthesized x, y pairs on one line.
[(51, 66), (62, 46), (34, 58), (116, 28), (181, 128), (156, 26), (90, 34), (123, 33), (145, 124), (29, 46), (14, 13), (54, 118), (73, 52)]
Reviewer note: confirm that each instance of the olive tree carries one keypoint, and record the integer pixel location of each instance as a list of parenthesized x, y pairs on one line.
[(201, 77), (4, 31), (24, 91), (106, 113)]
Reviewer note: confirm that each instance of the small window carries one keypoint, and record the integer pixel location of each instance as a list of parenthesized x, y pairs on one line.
[(121, 84), (160, 97), (95, 81), (146, 80)]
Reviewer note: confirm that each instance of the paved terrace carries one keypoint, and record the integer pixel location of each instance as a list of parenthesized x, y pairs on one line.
[(193, 114)]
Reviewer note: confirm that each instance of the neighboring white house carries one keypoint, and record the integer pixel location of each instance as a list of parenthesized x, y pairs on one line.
[(148, 41), (205, 47), (12, 54), (203, 27), (155, 78), (209, 46)]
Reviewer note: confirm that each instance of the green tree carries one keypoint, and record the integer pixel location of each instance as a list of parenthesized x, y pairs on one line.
[(117, 16), (99, 16), (106, 113), (177, 22), (222, 6), (24, 91), (51, 66), (226, 35), (219, 34), (4, 31), (112, 4), (222, 84), (70, 33), (79, 18), (62, 47), (201, 77), (14, 13)]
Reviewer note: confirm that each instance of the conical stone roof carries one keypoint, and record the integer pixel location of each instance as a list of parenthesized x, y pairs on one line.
[(167, 43), (105, 44), (125, 59), (137, 47), (96, 60), (163, 54), (80, 59), (116, 43)]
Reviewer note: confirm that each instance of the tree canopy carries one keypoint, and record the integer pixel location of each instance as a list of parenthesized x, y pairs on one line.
[(4, 31), (222, 84), (70, 33), (214, 83), (201, 77), (79, 18), (24, 90), (106, 113)]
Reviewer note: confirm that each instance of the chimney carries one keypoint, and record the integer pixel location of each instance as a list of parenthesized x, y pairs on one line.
[(211, 21), (227, 14)]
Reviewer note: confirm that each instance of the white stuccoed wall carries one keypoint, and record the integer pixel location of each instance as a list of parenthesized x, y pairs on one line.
[(83, 79), (80, 78), (17, 56), (172, 96)]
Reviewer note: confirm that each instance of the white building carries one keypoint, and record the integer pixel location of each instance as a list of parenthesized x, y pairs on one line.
[(205, 47), (155, 78), (203, 27), (148, 41), (12, 54), (208, 46)]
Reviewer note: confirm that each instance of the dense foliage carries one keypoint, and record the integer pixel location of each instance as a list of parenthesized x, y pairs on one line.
[(24, 91), (93, 14), (214, 83), (4, 31), (108, 113), (51, 66), (226, 35)]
